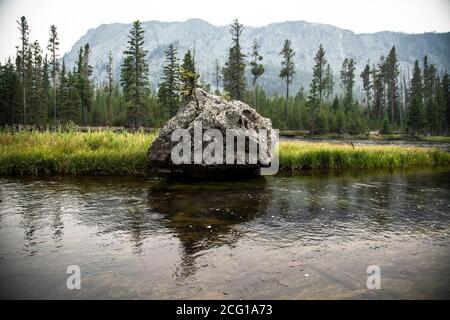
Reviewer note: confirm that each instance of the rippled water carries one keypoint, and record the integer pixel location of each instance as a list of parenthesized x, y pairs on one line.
[(292, 237)]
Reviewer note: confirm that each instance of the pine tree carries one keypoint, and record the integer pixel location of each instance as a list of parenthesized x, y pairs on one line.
[(188, 75), (46, 85), (404, 97), (83, 72), (74, 99), (8, 93), (429, 79), (391, 74), (69, 96), (378, 89), (134, 75), (62, 93), (257, 69), (169, 88), (329, 83), (367, 86), (109, 71), (28, 84), (234, 70), (445, 84), (340, 118), (287, 70), (415, 114), (53, 47), (347, 82), (317, 87), (24, 39), (439, 107), (318, 82), (300, 96), (37, 92), (217, 76), (385, 127)]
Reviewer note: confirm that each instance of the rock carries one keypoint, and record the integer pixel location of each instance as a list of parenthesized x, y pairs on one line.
[(212, 112)]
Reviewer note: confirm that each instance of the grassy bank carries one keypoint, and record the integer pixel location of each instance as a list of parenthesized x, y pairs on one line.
[(374, 137), (126, 154), (73, 152), (318, 155)]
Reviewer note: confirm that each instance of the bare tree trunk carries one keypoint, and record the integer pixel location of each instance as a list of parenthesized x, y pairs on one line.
[(23, 83), (24, 98), (287, 100), (254, 96), (54, 96)]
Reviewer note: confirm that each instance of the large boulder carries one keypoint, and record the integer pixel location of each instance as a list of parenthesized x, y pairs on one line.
[(212, 112)]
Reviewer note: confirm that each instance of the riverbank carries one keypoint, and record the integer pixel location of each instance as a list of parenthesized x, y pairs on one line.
[(109, 153), (102, 152), (371, 137), (300, 134), (302, 155)]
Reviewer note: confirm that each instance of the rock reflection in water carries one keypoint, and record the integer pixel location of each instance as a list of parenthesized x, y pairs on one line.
[(203, 214), (147, 238)]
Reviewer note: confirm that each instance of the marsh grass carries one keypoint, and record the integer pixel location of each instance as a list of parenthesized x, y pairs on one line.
[(106, 152), (435, 138), (74, 152), (322, 155)]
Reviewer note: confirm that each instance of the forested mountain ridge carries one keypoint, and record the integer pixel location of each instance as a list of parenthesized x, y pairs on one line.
[(211, 42), (317, 80)]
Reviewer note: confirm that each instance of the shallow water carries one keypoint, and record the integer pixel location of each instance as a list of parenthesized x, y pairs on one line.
[(284, 237)]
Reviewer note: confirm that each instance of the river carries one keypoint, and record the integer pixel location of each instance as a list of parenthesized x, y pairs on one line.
[(284, 237)]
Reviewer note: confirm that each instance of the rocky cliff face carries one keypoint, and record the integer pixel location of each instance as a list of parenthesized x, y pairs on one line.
[(211, 43)]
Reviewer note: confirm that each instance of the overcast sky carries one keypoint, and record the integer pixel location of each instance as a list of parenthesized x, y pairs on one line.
[(74, 17)]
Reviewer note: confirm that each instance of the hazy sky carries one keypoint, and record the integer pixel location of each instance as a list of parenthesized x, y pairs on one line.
[(74, 17)]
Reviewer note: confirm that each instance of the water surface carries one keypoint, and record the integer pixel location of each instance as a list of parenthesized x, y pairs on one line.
[(283, 237)]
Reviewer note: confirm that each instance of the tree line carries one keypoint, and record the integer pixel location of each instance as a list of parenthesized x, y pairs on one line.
[(38, 88)]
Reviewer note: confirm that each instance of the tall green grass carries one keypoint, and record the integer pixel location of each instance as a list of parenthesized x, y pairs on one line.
[(322, 155), (74, 152), (126, 154)]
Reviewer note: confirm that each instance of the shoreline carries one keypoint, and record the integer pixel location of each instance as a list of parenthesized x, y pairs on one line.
[(109, 153), (296, 134)]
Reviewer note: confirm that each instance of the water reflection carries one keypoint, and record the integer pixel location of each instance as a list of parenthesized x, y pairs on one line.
[(171, 232), (202, 215), (207, 214)]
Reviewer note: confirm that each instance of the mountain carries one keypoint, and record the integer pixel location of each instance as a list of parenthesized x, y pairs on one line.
[(212, 42)]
